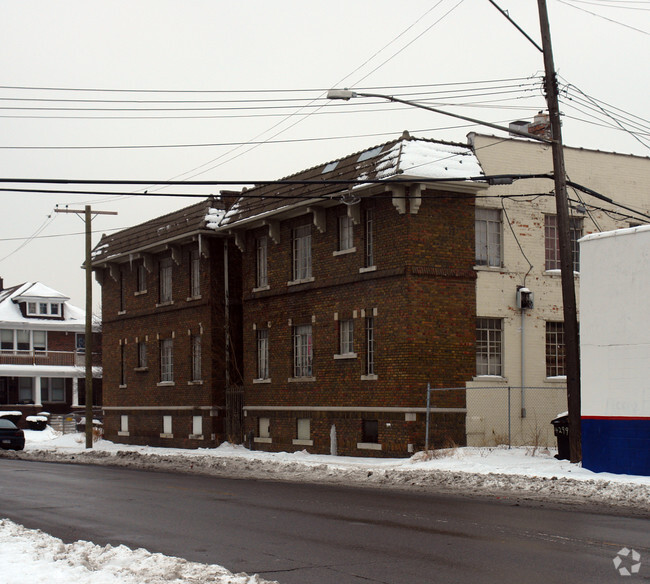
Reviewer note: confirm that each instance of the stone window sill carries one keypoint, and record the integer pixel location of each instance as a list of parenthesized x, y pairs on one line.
[(161, 304), (298, 442), (163, 435), (301, 379), (263, 440), (192, 298), (166, 384), (341, 252), (141, 369), (346, 356), (371, 377), (261, 288), (196, 437), (195, 382), (368, 446), (139, 292), (303, 281), (368, 269), (122, 433), (264, 380)]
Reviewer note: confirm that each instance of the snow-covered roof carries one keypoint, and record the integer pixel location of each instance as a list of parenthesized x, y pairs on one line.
[(405, 158), (73, 318)]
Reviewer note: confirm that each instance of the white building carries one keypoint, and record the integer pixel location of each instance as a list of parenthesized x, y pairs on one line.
[(516, 246)]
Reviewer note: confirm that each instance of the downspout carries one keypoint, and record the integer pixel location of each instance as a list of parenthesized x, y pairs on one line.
[(226, 303)]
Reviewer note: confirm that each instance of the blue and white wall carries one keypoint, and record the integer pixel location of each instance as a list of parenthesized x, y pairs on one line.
[(615, 350)]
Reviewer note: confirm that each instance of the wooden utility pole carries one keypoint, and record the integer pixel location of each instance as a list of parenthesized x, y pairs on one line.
[(87, 212), (571, 335)]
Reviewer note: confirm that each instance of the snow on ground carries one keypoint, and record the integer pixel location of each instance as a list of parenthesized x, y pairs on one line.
[(524, 472), (29, 555), (521, 473)]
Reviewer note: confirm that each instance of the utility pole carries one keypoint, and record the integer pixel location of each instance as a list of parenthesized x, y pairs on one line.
[(87, 212), (571, 335)]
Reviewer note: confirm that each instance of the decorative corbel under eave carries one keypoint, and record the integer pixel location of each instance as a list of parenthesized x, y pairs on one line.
[(99, 275), (114, 271), (354, 213), (415, 198), (176, 254), (399, 197), (240, 240), (274, 229), (319, 215), (147, 262)]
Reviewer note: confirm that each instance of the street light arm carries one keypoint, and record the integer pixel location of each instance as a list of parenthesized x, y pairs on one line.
[(347, 94)]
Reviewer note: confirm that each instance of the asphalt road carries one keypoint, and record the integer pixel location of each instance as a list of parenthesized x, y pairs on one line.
[(306, 533)]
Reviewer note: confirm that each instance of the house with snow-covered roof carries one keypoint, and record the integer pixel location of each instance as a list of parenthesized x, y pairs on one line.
[(42, 351)]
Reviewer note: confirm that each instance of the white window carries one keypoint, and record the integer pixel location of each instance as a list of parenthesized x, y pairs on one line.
[(303, 428), (195, 274), (197, 425), (552, 242), (39, 339), (7, 340), (43, 308), (167, 424), (124, 423), (142, 355), (487, 227), (142, 278), (302, 253), (346, 235), (261, 255), (165, 280), (555, 350), (52, 389), (302, 351), (196, 358), (369, 238), (80, 342), (22, 340), (167, 360), (346, 336), (488, 346), (262, 354), (264, 428), (370, 346)]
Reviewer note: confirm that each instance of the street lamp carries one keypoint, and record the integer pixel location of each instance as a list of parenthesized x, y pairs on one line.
[(562, 206)]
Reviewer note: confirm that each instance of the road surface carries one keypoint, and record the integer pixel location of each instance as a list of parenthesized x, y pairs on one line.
[(308, 533)]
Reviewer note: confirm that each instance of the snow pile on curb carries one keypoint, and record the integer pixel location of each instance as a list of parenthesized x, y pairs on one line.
[(29, 555), (496, 471)]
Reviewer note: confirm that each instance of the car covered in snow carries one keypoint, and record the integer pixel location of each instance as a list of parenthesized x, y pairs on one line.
[(11, 437)]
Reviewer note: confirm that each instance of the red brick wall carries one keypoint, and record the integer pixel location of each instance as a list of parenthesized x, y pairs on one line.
[(145, 320), (423, 291)]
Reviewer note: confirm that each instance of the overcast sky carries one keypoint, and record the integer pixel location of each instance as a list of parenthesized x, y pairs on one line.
[(257, 71)]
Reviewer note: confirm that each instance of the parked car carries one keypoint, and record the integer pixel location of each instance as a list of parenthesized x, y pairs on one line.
[(11, 437)]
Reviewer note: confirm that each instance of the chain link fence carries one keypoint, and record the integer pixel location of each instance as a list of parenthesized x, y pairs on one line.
[(510, 415)]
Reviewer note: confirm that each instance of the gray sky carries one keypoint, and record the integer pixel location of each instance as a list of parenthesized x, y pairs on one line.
[(213, 57)]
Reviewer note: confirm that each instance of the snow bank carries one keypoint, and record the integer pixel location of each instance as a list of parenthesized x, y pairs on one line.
[(497, 471), (28, 555)]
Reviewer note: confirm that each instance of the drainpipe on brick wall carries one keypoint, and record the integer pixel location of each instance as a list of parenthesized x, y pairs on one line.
[(226, 300)]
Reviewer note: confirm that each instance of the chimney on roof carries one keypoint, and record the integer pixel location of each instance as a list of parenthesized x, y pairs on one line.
[(405, 135), (229, 198), (2, 284)]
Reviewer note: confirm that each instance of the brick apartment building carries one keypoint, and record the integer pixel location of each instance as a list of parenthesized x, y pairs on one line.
[(354, 300), (170, 290)]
